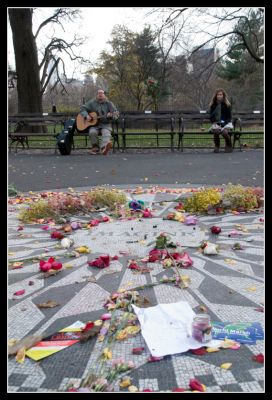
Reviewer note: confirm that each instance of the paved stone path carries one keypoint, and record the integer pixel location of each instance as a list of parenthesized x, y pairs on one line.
[(224, 289)]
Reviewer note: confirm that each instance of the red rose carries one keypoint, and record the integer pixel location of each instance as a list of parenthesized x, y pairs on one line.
[(215, 229)]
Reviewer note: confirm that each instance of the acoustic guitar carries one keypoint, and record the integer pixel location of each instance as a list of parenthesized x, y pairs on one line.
[(83, 124)]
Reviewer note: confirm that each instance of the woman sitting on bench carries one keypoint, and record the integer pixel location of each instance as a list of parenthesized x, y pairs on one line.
[(220, 116)]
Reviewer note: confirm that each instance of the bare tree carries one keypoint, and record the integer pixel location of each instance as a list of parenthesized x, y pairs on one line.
[(34, 76), (220, 24)]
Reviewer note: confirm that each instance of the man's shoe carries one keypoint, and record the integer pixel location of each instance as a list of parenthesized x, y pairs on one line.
[(94, 150), (216, 150), (106, 149)]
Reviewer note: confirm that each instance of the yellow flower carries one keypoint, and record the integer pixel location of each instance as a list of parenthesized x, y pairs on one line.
[(121, 335), (82, 249), (125, 382), (178, 216), (107, 354)]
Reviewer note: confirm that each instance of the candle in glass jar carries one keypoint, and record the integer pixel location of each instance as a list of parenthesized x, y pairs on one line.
[(201, 328)]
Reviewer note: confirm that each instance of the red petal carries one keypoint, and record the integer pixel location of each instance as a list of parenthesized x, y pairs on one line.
[(56, 265), (196, 385), (105, 219), (137, 350), (106, 260), (115, 258), (94, 222), (178, 390), (259, 358), (42, 262), (97, 263), (153, 258), (153, 358), (88, 326), (199, 352), (260, 309), (19, 292), (51, 260), (133, 266)]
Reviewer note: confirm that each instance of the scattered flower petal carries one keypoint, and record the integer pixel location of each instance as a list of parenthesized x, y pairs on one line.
[(19, 292), (259, 358), (196, 385), (226, 365)]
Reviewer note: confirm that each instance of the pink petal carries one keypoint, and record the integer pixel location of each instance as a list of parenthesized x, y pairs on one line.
[(19, 292), (105, 317), (45, 267)]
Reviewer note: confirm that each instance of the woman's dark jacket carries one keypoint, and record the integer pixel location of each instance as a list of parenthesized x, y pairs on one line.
[(220, 112)]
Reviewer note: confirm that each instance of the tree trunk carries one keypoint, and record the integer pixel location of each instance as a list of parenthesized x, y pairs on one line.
[(26, 59)]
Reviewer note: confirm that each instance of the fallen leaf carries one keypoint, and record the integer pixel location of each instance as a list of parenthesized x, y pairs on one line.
[(12, 341), (230, 261), (17, 264), (226, 365), (48, 304), (252, 288), (203, 308), (49, 273), (86, 335), (68, 266)]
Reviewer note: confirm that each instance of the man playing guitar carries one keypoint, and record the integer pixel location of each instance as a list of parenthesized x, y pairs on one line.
[(97, 114)]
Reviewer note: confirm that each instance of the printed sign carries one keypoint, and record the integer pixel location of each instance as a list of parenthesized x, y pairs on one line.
[(243, 332), (58, 341)]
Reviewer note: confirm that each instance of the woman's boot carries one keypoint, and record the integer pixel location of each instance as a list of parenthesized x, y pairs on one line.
[(228, 145), (216, 140)]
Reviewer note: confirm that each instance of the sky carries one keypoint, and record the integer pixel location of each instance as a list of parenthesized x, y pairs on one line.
[(96, 25)]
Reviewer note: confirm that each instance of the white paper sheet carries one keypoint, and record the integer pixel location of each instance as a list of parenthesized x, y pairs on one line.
[(166, 327)]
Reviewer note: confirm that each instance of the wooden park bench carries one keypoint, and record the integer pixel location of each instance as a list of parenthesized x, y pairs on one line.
[(23, 126), (155, 126), (195, 124)]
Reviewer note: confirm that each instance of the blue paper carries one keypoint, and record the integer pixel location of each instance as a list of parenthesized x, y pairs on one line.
[(242, 332)]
